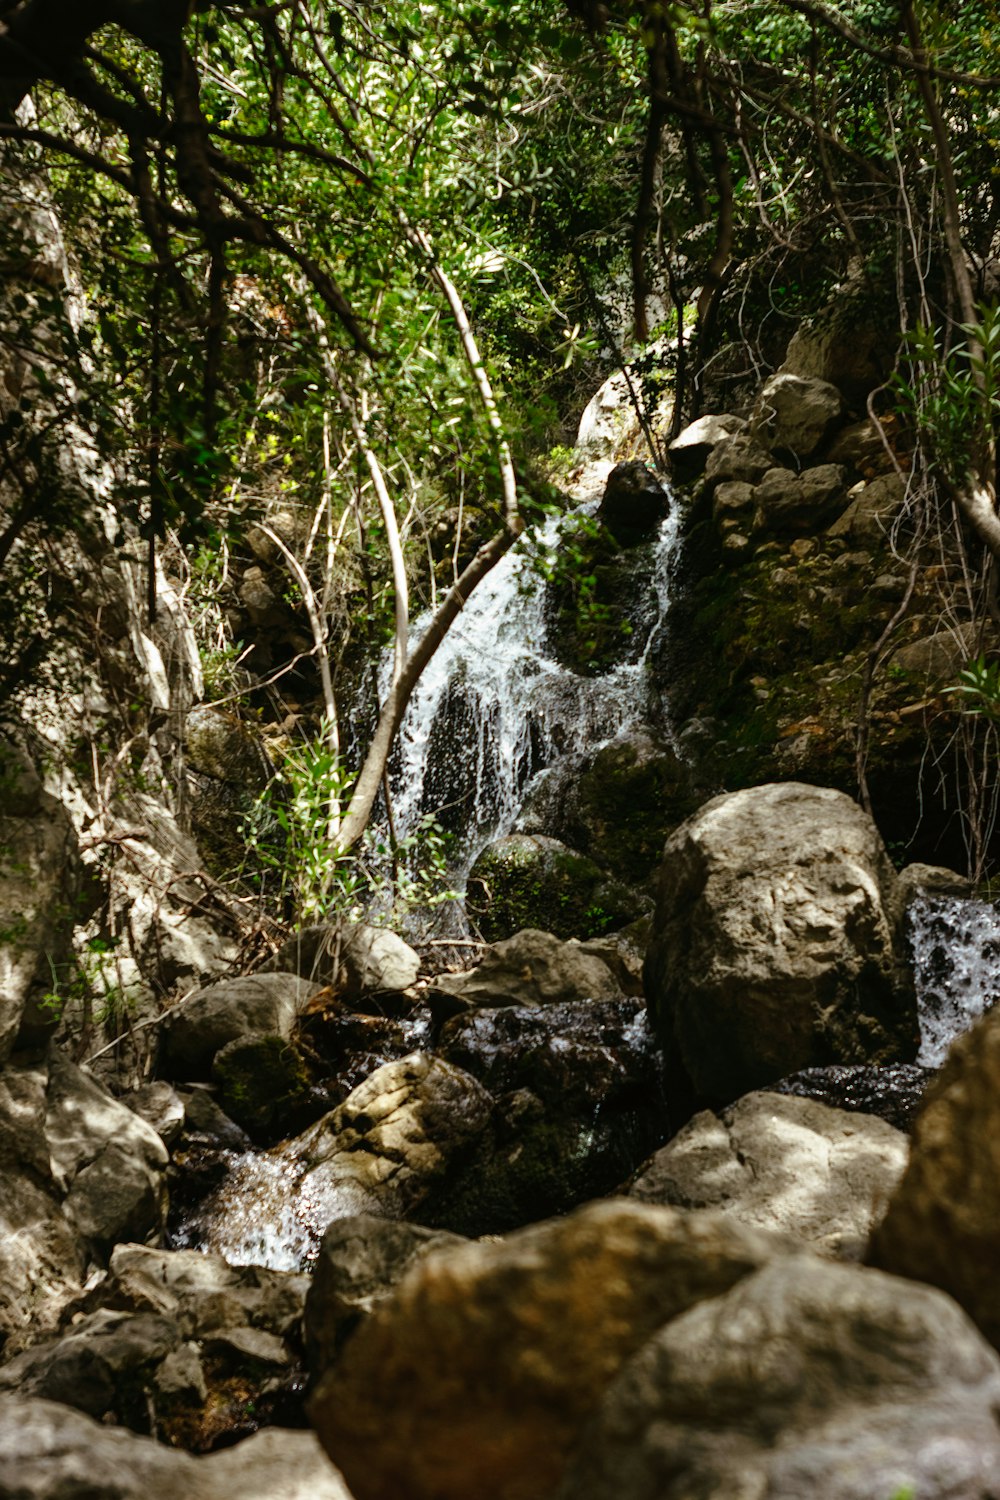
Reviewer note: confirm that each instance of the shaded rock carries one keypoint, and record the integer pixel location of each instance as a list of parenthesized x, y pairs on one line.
[(690, 450), (264, 1083), (192, 1033), (359, 961), (360, 1261), (531, 968), (50, 1452), (806, 1378), (740, 458), (943, 1222), (872, 512), (789, 504), (634, 502), (579, 1102), (858, 446), (733, 506), (203, 1293), (208, 1124), (851, 342), (782, 1163), (493, 1357), (893, 1093), (772, 944), (528, 880), (794, 414), (221, 745), (161, 1107), (394, 1137), (938, 657)]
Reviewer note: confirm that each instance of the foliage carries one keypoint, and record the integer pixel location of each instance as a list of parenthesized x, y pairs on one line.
[(978, 687)]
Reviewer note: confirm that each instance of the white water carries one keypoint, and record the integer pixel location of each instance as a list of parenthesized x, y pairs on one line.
[(956, 961), (495, 707)]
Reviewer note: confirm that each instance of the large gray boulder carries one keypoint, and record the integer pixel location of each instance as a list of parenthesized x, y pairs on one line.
[(361, 962), (50, 1452), (690, 450), (789, 504), (782, 1163), (806, 1379), (943, 1223), (492, 1357), (794, 414), (772, 945), (198, 1028)]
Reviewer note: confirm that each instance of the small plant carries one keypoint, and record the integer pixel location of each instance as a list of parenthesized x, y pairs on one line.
[(979, 687)]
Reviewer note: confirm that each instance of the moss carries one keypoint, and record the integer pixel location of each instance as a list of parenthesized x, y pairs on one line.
[(626, 803), (532, 882), (264, 1083)]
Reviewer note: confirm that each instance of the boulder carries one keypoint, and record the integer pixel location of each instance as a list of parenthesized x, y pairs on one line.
[(740, 459), (264, 1084), (221, 745), (492, 1357), (531, 968), (690, 450), (772, 945), (50, 1452), (806, 1379), (360, 962), (528, 880), (161, 1107), (782, 1163), (943, 1222), (394, 1138), (579, 1102), (194, 1031), (789, 504), (634, 503), (937, 657), (892, 1093), (872, 511), (852, 342), (859, 447), (360, 1261), (794, 415)]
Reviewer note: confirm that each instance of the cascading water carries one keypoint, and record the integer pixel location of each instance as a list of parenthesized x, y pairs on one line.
[(956, 948), (495, 706)]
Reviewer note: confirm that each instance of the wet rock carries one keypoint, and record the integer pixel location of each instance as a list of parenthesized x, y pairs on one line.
[(528, 880), (493, 1357), (806, 1378), (50, 1452), (782, 1163), (264, 1083), (394, 1138), (579, 1102), (360, 962), (892, 1093), (531, 968), (772, 944), (794, 414), (206, 1123), (198, 1028), (690, 450), (789, 504), (634, 502), (360, 1261), (943, 1222)]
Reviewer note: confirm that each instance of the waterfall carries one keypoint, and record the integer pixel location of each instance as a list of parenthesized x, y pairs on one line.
[(955, 944), (495, 706)]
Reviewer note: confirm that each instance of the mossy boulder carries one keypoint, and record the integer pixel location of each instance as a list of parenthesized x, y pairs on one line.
[(528, 880), (264, 1083)]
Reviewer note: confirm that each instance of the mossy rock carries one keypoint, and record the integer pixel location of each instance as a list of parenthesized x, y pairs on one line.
[(264, 1084), (633, 794), (600, 602), (526, 880)]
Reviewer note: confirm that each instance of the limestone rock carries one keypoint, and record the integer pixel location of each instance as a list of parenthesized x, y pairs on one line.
[(794, 414), (361, 1259), (394, 1137), (531, 968), (192, 1033), (492, 1358), (634, 502), (782, 1163), (789, 504), (740, 458), (50, 1452), (359, 961), (690, 450), (806, 1379), (937, 657), (943, 1223), (529, 880), (772, 944), (203, 1293), (873, 509)]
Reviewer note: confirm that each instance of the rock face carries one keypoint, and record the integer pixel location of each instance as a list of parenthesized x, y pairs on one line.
[(943, 1224), (206, 1021), (493, 1357), (772, 945), (806, 1379), (528, 880), (531, 968), (782, 1163)]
